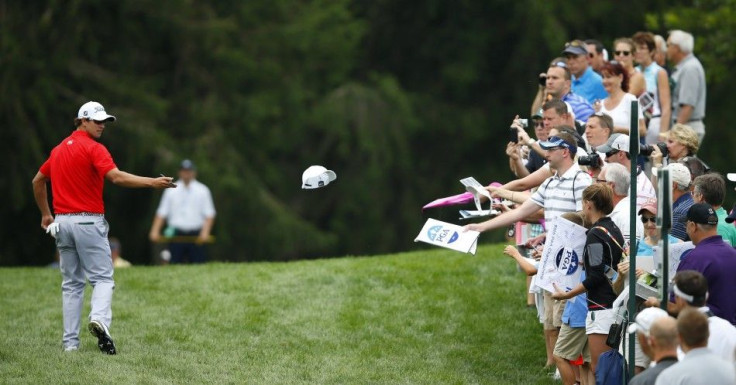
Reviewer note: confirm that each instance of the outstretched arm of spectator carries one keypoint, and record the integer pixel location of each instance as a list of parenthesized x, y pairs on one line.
[(530, 181), (505, 219)]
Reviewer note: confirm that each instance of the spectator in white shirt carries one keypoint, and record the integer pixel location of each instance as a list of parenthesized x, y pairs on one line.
[(189, 213)]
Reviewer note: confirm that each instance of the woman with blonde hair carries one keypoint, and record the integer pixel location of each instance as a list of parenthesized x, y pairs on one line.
[(682, 141)]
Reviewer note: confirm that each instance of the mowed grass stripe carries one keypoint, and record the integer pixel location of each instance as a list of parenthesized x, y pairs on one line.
[(424, 317)]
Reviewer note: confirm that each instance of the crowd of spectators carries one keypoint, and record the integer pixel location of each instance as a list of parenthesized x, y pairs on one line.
[(577, 166)]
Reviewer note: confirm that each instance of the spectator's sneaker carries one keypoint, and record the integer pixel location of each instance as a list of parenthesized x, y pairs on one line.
[(71, 348), (104, 341)]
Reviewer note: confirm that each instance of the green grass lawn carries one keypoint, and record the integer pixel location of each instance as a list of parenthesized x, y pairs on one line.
[(425, 317)]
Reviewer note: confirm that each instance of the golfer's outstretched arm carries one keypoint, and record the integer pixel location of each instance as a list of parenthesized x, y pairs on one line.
[(126, 179), (526, 209)]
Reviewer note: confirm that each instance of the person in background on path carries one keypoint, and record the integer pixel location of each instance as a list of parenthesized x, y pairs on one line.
[(190, 212), (77, 169), (115, 250)]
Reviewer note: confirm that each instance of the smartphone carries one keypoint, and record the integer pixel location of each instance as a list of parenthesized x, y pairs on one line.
[(513, 135)]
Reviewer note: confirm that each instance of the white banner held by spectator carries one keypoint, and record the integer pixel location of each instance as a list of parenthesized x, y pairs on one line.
[(562, 257), (447, 235)]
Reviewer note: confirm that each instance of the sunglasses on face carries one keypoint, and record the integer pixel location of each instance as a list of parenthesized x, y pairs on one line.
[(620, 53), (539, 123), (648, 219), (611, 153)]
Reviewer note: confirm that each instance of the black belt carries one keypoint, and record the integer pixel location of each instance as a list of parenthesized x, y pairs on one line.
[(83, 214)]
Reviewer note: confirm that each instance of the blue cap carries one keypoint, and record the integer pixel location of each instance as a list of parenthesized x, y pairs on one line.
[(187, 164), (556, 141)]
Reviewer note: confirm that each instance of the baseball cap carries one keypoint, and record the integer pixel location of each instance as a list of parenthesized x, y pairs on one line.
[(575, 47), (731, 176), (556, 141), (645, 319), (317, 176), (187, 164), (617, 141), (649, 205), (701, 213), (679, 174), (731, 216), (94, 111), (539, 115)]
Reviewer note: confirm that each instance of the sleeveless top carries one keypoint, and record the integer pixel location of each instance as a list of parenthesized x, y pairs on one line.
[(650, 77)]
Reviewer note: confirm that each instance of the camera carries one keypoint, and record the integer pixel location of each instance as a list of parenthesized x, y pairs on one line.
[(543, 79), (593, 161), (647, 149), (524, 123)]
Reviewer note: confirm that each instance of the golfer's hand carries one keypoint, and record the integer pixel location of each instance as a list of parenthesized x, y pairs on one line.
[(52, 229), (163, 182), (558, 294)]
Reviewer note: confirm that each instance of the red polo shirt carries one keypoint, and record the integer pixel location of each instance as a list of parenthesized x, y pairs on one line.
[(77, 168)]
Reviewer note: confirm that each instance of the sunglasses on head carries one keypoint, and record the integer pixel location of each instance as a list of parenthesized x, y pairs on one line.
[(624, 53), (574, 43), (560, 64)]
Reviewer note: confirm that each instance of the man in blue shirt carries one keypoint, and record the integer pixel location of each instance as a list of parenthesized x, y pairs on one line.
[(585, 82)]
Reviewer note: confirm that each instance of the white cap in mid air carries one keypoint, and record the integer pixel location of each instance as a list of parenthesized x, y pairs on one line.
[(317, 176)]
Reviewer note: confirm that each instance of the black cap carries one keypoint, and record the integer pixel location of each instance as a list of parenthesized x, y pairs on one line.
[(701, 213), (187, 164), (732, 216)]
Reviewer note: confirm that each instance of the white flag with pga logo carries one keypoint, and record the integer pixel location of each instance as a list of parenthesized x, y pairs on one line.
[(562, 257), (447, 235)]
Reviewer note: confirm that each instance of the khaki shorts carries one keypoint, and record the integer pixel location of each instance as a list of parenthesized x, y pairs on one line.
[(599, 321), (571, 343), (552, 312)]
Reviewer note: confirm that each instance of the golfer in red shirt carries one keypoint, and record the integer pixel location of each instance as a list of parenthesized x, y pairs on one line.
[(77, 169)]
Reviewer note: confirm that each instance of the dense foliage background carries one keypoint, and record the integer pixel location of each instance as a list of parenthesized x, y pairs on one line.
[(400, 99)]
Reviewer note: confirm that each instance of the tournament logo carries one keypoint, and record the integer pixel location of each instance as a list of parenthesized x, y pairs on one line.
[(432, 232), (438, 234), (567, 261)]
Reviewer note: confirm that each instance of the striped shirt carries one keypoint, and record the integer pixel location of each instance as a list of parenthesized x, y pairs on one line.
[(562, 194)]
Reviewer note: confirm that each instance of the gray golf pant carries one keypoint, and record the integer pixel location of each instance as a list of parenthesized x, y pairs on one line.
[(84, 254)]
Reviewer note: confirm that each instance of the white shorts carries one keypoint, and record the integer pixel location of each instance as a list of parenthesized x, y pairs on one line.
[(599, 321)]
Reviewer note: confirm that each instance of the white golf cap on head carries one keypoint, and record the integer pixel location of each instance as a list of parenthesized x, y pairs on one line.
[(94, 111), (317, 176), (645, 318)]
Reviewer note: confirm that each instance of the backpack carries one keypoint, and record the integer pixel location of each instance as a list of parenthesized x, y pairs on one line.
[(611, 369)]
